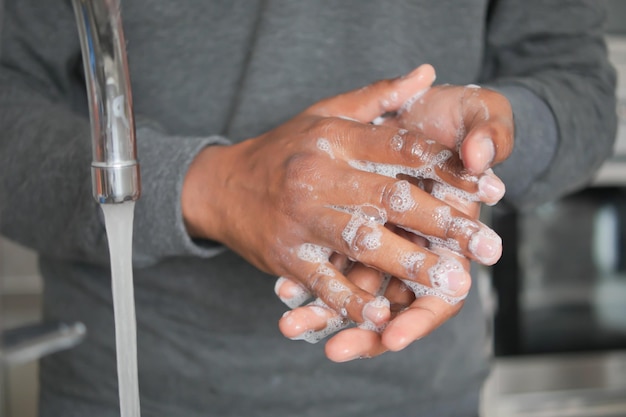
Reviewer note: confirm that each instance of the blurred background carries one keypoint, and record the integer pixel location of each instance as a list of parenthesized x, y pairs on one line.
[(558, 296)]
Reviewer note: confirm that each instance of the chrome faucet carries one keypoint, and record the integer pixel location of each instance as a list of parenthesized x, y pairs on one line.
[(114, 167)]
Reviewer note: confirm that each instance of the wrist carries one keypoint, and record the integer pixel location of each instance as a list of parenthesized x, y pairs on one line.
[(202, 193)]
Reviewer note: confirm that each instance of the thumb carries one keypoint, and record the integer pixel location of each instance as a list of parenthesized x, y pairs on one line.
[(374, 100)]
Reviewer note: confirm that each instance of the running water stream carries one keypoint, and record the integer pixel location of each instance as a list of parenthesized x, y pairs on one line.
[(119, 225)]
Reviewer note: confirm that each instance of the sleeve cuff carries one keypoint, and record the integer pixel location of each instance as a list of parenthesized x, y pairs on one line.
[(536, 141), (159, 230)]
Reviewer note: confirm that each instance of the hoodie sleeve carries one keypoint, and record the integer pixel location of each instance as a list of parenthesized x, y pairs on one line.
[(550, 59)]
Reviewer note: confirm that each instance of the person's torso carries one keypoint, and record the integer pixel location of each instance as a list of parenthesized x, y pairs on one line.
[(207, 329)]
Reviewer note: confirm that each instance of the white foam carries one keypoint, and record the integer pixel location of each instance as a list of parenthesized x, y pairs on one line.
[(439, 273), (401, 200), (337, 286), (333, 324), (310, 252), (412, 262), (372, 240), (426, 171), (298, 295), (444, 191), (368, 325), (459, 226), (325, 269), (378, 121), (409, 103), (363, 215), (324, 145), (397, 142), (423, 291), (487, 233), (379, 302)]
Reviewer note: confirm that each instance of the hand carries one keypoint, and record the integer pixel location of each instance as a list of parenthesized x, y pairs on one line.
[(292, 196), (476, 121), (416, 310), (444, 114)]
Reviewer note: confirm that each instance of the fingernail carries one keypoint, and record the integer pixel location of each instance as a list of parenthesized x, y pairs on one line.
[(279, 283), (485, 153), (294, 296), (486, 246), (491, 188), (376, 311), (456, 280)]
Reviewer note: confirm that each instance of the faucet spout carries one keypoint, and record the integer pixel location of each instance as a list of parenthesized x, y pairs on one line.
[(114, 167)]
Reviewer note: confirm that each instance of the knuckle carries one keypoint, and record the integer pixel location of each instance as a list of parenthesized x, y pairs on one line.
[(300, 167), (397, 196), (417, 148), (317, 282), (327, 126), (366, 238), (413, 263), (462, 228), (500, 101), (398, 141), (422, 150)]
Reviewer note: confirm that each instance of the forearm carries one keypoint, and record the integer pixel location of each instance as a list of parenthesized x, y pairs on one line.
[(45, 158)]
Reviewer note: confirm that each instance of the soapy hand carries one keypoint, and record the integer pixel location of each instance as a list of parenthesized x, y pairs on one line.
[(329, 182), (479, 124)]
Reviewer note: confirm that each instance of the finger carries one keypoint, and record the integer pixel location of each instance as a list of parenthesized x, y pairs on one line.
[(341, 262), (486, 145), (322, 279), (410, 208), (419, 320), (367, 241), (394, 152), (376, 282), (290, 292), (453, 115), (400, 296), (312, 322), (488, 121), (353, 344), (316, 320), (367, 278), (370, 102)]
